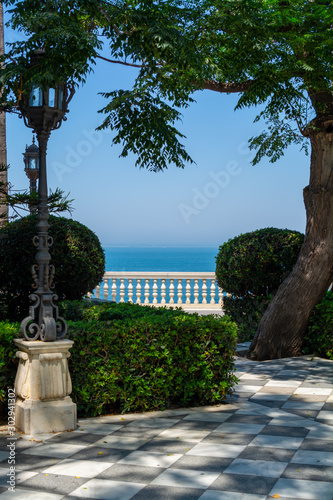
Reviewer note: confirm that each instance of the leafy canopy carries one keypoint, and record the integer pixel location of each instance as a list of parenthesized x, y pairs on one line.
[(276, 54)]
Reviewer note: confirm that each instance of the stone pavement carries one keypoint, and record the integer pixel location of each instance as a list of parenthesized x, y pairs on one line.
[(273, 438)]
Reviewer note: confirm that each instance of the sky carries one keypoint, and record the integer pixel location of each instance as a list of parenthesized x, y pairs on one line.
[(219, 197)]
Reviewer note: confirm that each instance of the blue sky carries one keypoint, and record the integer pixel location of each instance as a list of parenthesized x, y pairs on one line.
[(219, 197)]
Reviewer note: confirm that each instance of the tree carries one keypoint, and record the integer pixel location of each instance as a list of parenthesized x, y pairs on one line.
[(274, 53), (3, 150)]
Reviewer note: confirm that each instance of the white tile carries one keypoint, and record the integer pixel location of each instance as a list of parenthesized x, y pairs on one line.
[(186, 478), (253, 376), (104, 489), (247, 388), (303, 489), (154, 423), (311, 457), (256, 468), (184, 435), (283, 383), (216, 450), (98, 428), (81, 468), (22, 494), (54, 450), (150, 459), (325, 415), (208, 417), (20, 476), (121, 442), (240, 428), (313, 391), (230, 495), (286, 442), (324, 432)]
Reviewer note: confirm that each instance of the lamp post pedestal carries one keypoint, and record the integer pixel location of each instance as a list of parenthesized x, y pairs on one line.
[(42, 387)]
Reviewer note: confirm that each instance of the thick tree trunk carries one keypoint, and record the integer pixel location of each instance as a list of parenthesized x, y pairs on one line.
[(281, 331), (3, 148)]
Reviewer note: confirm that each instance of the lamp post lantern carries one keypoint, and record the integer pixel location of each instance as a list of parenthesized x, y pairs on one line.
[(43, 110), (31, 167)]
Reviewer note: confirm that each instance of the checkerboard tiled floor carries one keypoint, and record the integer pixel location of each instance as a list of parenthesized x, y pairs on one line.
[(273, 437)]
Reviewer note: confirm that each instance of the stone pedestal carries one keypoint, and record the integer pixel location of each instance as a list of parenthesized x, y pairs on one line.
[(42, 387)]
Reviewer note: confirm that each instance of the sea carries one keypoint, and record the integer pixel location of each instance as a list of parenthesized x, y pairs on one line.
[(164, 259), (189, 259)]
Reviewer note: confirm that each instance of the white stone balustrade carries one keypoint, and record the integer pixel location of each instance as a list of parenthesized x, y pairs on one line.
[(188, 290)]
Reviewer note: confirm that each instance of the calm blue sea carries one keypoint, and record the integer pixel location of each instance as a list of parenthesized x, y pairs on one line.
[(195, 259)]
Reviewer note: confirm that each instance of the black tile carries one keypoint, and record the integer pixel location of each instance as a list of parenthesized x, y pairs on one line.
[(101, 454), (79, 438), (195, 425), (244, 484), (317, 445), (55, 483), (207, 464), (281, 430), (308, 472), (229, 438), (267, 454), (32, 463), (131, 473), (168, 493), (249, 419), (167, 446)]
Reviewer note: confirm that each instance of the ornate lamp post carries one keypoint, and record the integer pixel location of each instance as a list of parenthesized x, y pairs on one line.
[(43, 383), (43, 110), (31, 167)]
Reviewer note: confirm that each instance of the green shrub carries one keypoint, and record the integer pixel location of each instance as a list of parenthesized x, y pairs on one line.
[(8, 361), (319, 337), (76, 254), (250, 268), (146, 359)]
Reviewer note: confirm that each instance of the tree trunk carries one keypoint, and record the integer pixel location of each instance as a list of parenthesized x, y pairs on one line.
[(3, 148), (281, 331)]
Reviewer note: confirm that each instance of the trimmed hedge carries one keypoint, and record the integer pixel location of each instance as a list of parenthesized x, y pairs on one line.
[(136, 358), (250, 268), (319, 337), (76, 254)]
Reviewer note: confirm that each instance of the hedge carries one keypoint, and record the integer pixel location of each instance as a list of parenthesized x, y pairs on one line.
[(319, 337)]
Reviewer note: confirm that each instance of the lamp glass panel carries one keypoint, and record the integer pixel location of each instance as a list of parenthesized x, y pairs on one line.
[(36, 97), (61, 97), (52, 99), (33, 163)]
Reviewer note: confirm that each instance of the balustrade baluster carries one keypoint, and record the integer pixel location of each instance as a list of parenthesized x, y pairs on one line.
[(188, 291), (138, 291), (163, 292), (130, 290), (106, 288), (196, 291), (212, 291), (171, 292), (114, 289), (146, 291), (97, 291), (155, 291), (221, 297), (180, 291), (122, 289), (204, 291)]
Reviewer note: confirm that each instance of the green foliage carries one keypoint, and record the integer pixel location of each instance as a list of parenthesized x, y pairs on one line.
[(135, 358), (250, 268), (319, 337), (276, 55), (8, 362), (76, 254)]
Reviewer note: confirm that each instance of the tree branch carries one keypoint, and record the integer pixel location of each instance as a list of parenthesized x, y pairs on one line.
[(223, 87), (120, 62)]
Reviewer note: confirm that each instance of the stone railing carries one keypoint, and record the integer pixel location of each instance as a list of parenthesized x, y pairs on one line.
[(173, 289)]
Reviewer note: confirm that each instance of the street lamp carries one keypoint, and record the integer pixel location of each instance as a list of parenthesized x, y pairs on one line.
[(43, 110), (31, 167)]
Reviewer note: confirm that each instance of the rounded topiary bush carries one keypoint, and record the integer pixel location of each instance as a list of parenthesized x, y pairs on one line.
[(250, 268), (76, 254)]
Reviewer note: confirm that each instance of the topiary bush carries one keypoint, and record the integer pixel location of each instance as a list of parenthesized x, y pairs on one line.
[(250, 269), (319, 337), (152, 360), (76, 254)]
